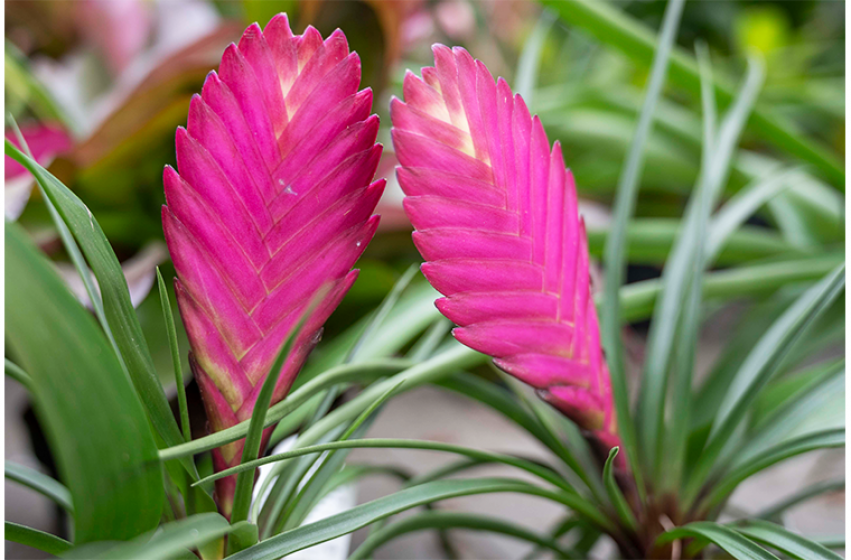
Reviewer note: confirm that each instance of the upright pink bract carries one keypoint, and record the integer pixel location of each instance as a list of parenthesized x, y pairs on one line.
[(496, 219), (272, 202)]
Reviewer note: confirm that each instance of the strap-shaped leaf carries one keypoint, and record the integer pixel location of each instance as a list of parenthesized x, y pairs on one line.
[(94, 421), (733, 543), (118, 309), (365, 514), (41, 483), (40, 540), (497, 222), (273, 200), (785, 541), (456, 520)]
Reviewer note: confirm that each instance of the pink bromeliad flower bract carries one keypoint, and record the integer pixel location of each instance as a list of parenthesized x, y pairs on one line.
[(273, 201), (496, 220)]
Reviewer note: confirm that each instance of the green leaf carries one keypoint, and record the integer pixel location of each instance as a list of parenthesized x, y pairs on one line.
[(733, 543), (365, 514), (457, 357), (169, 541), (802, 495), (168, 317), (73, 252), (796, 417), (331, 464), (614, 262), (620, 31), (650, 241), (638, 298), (20, 84), (19, 375), (41, 483), (350, 372), (34, 538), (541, 472), (785, 541), (120, 315), (382, 312), (804, 444), (789, 388), (452, 520), (526, 77), (251, 449), (683, 272), (759, 367), (570, 445), (243, 535), (426, 345), (742, 206), (615, 494), (94, 423)]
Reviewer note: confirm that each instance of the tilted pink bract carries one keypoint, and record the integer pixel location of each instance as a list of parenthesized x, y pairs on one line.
[(496, 219), (273, 201)]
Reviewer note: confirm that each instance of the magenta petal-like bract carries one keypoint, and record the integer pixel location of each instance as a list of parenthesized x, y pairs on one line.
[(273, 201), (496, 219)]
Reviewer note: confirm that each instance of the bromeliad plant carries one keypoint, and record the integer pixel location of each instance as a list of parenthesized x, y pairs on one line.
[(266, 215)]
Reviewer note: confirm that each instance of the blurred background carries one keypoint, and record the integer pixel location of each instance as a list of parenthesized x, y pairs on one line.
[(99, 86)]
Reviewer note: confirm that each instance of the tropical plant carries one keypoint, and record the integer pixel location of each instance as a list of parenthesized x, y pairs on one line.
[(279, 148)]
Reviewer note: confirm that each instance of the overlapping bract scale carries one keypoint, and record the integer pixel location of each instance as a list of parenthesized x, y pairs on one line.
[(273, 201), (496, 219)]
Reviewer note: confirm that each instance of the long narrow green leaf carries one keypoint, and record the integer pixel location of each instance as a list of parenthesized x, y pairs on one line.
[(686, 263), (733, 543), (615, 494), (804, 444), (581, 464), (759, 367), (118, 308), (251, 448), (541, 472), (803, 495), (788, 389), (742, 206), (94, 422), (637, 42), (19, 375), (639, 298), (456, 358), (614, 253), (785, 541), (73, 251), (792, 419), (382, 312), (41, 483), (34, 538), (171, 330), (650, 241), (526, 77), (169, 541), (284, 479), (331, 463), (452, 520), (365, 514), (351, 372)]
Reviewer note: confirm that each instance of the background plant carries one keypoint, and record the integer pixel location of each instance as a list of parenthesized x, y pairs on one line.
[(760, 398)]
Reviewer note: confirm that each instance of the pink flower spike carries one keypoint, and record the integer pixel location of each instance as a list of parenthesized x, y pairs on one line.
[(272, 200), (496, 220)]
